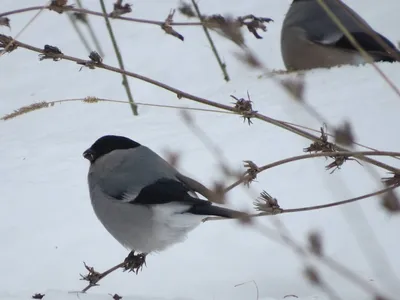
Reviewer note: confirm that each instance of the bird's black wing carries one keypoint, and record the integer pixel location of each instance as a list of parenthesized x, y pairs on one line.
[(369, 44), (165, 191)]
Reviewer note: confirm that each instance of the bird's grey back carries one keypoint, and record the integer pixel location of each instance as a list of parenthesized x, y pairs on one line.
[(310, 16), (128, 171)]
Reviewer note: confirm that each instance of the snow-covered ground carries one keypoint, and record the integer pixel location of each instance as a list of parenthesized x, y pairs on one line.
[(48, 228)]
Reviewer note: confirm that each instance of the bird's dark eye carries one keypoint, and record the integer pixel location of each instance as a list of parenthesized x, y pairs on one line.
[(89, 155)]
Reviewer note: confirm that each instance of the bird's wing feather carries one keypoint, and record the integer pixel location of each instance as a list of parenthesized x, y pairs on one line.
[(165, 191)]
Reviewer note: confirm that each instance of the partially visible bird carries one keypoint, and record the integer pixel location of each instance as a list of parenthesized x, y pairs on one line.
[(311, 39), (143, 201)]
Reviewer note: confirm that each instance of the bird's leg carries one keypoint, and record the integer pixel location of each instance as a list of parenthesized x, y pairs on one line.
[(134, 262)]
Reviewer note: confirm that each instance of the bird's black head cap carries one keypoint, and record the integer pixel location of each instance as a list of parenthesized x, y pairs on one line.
[(107, 144)]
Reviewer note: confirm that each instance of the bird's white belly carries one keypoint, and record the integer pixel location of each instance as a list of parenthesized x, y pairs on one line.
[(144, 229)]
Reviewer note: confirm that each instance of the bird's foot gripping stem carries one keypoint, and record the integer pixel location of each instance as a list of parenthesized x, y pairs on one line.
[(134, 262)]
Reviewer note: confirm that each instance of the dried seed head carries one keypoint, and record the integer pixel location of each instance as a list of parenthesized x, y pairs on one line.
[(80, 17), (295, 86), (322, 144), (187, 116), (186, 9), (4, 21), (59, 6), (218, 193), (394, 180), (344, 135), (312, 275), (50, 52), (267, 204), (245, 108), (391, 202), (92, 276), (7, 43), (251, 172), (228, 27), (253, 24), (315, 243), (167, 27), (95, 57), (249, 59), (120, 9), (91, 99), (26, 109), (116, 297)]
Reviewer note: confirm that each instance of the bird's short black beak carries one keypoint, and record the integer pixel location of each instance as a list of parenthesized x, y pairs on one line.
[(89, 155)]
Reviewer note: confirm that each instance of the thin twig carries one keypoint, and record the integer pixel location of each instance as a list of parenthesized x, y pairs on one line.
[(222, 65), (91, 32), (125, 82), (79, 32)]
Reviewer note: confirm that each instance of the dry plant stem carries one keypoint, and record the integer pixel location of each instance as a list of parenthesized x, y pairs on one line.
[(102, 275), (214, 49), (181, 94), (356, 45), (357, 154), (91, 32), (125, 82), (79, 32), (94, 13)]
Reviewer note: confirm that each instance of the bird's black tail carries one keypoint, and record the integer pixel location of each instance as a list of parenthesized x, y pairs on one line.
[(207, 209)]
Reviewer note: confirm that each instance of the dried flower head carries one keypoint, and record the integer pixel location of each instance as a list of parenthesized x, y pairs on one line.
[(26, 109), (51, 52), (120, 9), (312, 275), (344, 135), (315, 243), (265, 203), (391, 202), (92, 276), (167, 27), (7, 43), (91, 99), (4, 21), (321, 144), (245, 108), (393, 180), (254, 23), (295, 86), (186, 9), (251, 173), (59, 6)]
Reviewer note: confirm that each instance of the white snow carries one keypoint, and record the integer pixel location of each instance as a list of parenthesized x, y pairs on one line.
[(48, 228)]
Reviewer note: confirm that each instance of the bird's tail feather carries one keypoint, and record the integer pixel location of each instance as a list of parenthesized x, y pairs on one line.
[(212, 210)]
